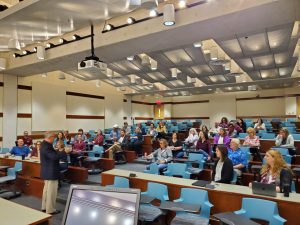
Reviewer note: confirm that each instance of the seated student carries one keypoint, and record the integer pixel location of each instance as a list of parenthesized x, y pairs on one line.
[(35, 153), (214, 130), (252, 140), (136, 141), (78, 147), (67, 136), (20, 149), (241, 123), (63, 165), (203, 145), (192, 139), (152, 131), (285, 140), (83, 136), (270, 172), (223, 169), (143, 130), (99, 138), (27, 140), (176, 146), (60, 138), (126, 128), (237, 156), (161, 130), (115, 133), (163, 155), (223, 123), (238, 128), (232, 133), (222, 138), (259, 125), (205, 129), (119, 145)]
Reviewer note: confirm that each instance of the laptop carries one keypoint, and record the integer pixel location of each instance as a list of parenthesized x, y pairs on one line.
[(95, 205), (201, 183), (264, 189)]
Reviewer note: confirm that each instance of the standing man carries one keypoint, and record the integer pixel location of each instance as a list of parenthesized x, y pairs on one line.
[(50, 172)]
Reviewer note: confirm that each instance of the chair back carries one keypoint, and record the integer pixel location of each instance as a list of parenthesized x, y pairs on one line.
[(159, 191), (243, 135), (98, 150), (234, 177), (255, 208), (196, 157), (4, 150), (296, 136), (121, 182), (18, 166), (267, 135), (197, 196), (153, 168), (177, 169)]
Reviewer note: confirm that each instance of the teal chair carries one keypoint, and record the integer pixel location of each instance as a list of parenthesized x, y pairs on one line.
[(158, 191), (285, 154), (255, 208), (11, 173), (4, 150), (153, 169), (199, 158), (177, 169), (97, 150), (267, 135), (196, 197), (120, 182), (296, 136), (243, 135), (234, 177)]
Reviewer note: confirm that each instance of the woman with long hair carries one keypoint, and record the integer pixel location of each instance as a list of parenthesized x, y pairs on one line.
[(223, 170)]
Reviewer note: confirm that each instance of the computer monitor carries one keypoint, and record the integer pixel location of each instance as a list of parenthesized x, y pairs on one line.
[(95, 205)]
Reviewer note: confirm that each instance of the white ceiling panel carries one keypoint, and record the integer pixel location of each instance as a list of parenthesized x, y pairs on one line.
[(254, 44), (178, 56), (263, 62)]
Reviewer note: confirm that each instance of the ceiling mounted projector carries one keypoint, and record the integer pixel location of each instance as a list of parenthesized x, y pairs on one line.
[(149, 4)]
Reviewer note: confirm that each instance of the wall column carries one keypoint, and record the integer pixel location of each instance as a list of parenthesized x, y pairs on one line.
[(10, 110)]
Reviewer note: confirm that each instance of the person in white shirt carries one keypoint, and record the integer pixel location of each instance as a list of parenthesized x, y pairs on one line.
[(259, 125), (192, 139)]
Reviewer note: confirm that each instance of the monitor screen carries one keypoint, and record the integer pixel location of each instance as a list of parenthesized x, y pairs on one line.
[(101, 206)]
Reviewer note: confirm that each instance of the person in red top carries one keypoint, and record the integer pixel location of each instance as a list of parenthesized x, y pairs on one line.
[(35, 153), (27, 140), (98, 140), (78, 147)]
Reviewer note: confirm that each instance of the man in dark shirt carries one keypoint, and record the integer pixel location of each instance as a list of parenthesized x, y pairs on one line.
[(27, 140), (50, 172)]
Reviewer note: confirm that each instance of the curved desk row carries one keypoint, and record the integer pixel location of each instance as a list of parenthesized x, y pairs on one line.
[(224, 197)]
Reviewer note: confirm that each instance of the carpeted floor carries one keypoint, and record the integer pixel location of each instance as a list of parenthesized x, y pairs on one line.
[(35, 203)]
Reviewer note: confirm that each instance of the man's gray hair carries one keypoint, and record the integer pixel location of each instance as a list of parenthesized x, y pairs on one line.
[(235, 140), (49, 134)]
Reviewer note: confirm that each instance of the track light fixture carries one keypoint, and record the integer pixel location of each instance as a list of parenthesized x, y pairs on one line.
[(25, 52), (174, 72), (34, 49), (40, 52), (153, 64), (109, 27), (130, 58), (76, 37), (149, 4), (130, 20), (169, 15), (16, 55), (153, 13), (198, 44), (50, 45), (62, 41)]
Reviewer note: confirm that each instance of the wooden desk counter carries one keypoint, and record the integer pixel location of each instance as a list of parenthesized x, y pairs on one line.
[(14, 214), (224, 197)]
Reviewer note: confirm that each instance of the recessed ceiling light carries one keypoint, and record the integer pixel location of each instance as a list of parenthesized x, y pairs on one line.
[(209, 89), (72, 80), (98, 83)]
